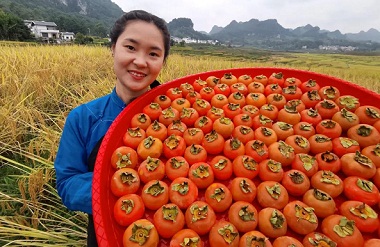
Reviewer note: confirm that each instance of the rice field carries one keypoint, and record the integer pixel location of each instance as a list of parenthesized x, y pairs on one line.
[(39, 85)]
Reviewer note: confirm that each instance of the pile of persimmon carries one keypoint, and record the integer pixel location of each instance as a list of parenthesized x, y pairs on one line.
[(250, 160)]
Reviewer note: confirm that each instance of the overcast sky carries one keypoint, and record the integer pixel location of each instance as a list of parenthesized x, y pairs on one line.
[(348, 16)]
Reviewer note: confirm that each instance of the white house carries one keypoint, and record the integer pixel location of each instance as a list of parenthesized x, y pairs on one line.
[(67, 36), (43, 29)]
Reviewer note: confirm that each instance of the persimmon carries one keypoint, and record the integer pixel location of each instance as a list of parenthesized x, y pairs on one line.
[(368, 114), (218, 196), (348, 102), (326, 108), (163, 100), (310, 98), (200, 217), (304, 129), (317, 239), (239, 87), (198, 84), (272, 194), (168, 115), (224, 234), (173, 145), (141, 232), (133, 136), (153, 110), (150, 147), (373, 152), (157, 130), (292, 81), (183, 192), (281, 152), (215, 113), (201, 106), (233, 148), (269, 110), (127, 209), (289, 115), (255, 87), (257, 150), (245, 79), (140, 120), (295, 182), (329, 92), (359, 189), (237, 98), (228, 78), (285, 241), (261, 79), (186, 88), (243, 119), (266, 135), (297, 103), (344, 145), (243, 189), (272, 222), (277, 100), (243, 133), (168, 219), (186, 237), (261, 121), (283, 130), (180, 103), (222, 88), (311, 116), (213, 142), (364, 134), (251, 110), (151, 169), (300, 217), (203, 123), (256, 99), (222, 167), (309, 85), (124, 157), (231, 110), (254, 238), (291, 92), (195, 153), (193, 136), (299, 143), (323, 204), (193, 96), (176, 167), (224, 126), (365, 217), (357, 164), (329, 128), (305, 163), (219, 100), (243, 215), (174, 93), (188, 116), (245, 166), (212, 81), (207, 93), (270, 170), (328, 161), (177, 127), (320, 143), (124, 181), (276, 78), (155, 194), (327, 181), (201, 174)]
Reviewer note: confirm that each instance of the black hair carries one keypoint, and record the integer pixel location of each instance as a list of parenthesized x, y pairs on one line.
[(142, 15)]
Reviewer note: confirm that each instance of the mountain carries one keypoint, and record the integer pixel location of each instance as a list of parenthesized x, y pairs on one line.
[(184, 27), (215, 29), (86, 16), (372, 35)]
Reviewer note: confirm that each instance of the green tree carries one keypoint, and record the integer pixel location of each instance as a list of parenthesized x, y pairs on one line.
[(13, 28)]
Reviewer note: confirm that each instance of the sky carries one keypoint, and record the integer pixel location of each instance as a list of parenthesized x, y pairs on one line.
[(347, 16)]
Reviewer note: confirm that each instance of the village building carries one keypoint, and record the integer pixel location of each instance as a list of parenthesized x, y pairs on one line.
[(48, 31)]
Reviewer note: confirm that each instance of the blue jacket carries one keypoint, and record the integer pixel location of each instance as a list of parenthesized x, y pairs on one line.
[(85, 126)]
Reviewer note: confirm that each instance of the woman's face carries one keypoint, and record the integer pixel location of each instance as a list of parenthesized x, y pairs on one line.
[(138, 58)]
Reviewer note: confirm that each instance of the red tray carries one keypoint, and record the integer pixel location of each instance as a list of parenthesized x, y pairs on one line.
[(108, 232)]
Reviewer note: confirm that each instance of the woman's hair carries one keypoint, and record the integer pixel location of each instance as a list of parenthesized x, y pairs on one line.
[(142, 15)]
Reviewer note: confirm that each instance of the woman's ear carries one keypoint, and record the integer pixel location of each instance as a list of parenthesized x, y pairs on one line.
[(113, 50)]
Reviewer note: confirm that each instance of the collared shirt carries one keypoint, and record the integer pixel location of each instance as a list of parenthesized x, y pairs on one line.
[(85, 126)]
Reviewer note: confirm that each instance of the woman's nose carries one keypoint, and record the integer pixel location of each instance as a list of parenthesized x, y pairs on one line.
[(140, 60)]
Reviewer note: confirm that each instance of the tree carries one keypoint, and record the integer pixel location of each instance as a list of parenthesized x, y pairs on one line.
[(13, 28)]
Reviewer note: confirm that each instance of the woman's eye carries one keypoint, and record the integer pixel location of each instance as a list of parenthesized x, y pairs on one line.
[(153, 54), (129, 47)]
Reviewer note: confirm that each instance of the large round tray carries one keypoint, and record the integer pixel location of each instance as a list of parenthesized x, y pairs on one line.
[(108, 232)]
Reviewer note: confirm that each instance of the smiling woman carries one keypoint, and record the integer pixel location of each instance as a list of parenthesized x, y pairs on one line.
[(140, 45)]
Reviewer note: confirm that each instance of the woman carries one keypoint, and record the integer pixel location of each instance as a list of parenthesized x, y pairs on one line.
[(140, 45)]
